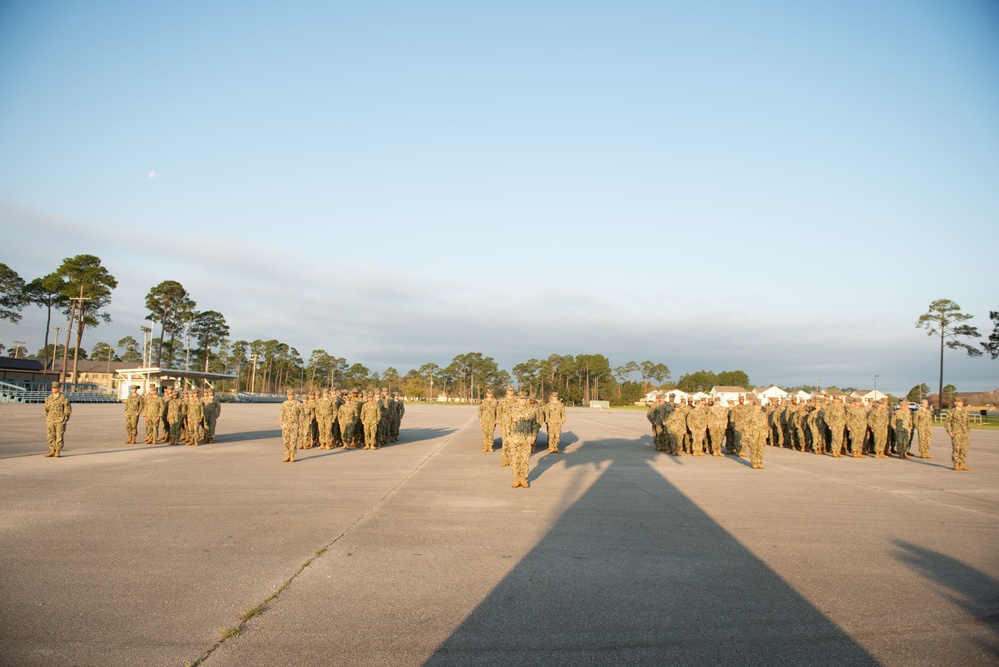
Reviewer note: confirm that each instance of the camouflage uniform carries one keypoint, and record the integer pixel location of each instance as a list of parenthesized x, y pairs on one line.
[(324, 418), (213, 408), (400, 410), (371, 414), (195, 414), (902, 422), (309, 427), (152, 416), (836, 420), (656, 417), (814, 434), (175, 418), (554, 419), (959, 430), (697, 424), (521, 425), (718, 416), (346, 419), (878, 421), (736, 416), (291, 415), (487, 420), (755, 432), (57, 413), (338, 403), (856, 423), (676, 429), (923, 424), (133, 408), (503, 408)]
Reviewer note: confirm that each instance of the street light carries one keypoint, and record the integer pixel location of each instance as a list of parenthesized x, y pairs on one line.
[(145, 332), (875, 387), (17, 347)]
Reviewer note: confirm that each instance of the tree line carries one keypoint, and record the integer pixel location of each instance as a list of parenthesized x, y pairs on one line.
[(80, 289)]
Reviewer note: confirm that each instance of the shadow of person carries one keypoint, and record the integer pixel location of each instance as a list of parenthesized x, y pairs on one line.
[(634, 572)]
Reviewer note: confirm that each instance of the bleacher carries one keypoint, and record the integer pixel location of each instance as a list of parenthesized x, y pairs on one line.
[(36, 392)]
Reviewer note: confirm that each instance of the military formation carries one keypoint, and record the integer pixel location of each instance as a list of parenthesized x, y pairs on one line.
[(520, 419), (821, 425), (369, 420), (345, 420)]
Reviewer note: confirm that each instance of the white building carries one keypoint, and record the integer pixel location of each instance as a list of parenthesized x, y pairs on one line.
[(801, 395), (772, 394), (723, 394), (698, 397), (868, 395)]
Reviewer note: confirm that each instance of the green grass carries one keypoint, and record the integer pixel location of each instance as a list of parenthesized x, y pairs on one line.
[(991, 425)]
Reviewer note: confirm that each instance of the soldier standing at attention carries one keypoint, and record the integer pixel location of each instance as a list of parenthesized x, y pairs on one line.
[(345, 418), (878, 421), (213, 408), (554, 418), (291, 414), (487, 420), (654, 415), (175, 418), (755, 430), (503, 409), (958, 429), (152, 415), (717, 425), (400, 410), (902, 422), (922, 421), (836, 420), (539, 418), (165, 416), (371, 414), (676, 429), (338, 402), (520, 431), (57, 413), (133, 408), (195, 415), (324, 417), (856, 424), (697, 424)]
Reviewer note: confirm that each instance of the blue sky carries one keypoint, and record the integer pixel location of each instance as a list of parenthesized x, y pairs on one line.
[(780, 187)]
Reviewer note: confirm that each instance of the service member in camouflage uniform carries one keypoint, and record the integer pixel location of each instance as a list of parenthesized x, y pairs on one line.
[(922, 422), (291, 415), (520, 430), (901, 421), (676, 429), (195, 415), (371, 414), (324, 419), (554, 419), (755, 430), (347, 421), (57, 413), (487, 420), (213, 408), (175, 418), (856, 424), (697, 424), (717, 426), (165, 416), (503, 409), (836, 421), (152, 415), (959, 430), (878, 421), (133, 408), (400, 410), (736, 416), (656, 417)]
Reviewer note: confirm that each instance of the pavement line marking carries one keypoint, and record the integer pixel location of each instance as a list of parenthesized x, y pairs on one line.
[(259, 610)]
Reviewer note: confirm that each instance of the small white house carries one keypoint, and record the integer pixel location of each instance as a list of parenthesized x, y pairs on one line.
[(698, 397), (801, 395), (724, 394), (772, 394), (868, 395)]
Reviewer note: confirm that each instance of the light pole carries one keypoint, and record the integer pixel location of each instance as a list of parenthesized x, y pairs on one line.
[(55, 347), (145, 333), (875, 387), (17, 347), (110, 351)]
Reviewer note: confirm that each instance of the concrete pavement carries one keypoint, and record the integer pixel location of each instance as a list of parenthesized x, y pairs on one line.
[(422, 553)]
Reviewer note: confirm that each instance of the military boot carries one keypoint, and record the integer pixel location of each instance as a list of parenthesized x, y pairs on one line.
[(50, 454), (505, 462), (57, 453)]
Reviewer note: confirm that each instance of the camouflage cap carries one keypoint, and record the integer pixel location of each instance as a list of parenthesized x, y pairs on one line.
[(57, 385)]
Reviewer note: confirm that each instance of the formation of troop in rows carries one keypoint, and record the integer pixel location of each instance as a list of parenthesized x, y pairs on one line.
[(519, 419), (340, 419), (828, 425)]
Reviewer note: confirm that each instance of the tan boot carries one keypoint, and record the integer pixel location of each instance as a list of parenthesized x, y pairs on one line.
[(286, 459), (57, 453), (516, 482), (504, 463), (964, 467), (524, 484), (50, 454)]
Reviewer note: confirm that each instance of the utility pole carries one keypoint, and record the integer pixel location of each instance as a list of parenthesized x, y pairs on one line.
[(110, 351), (253, 377), (65, 349), (187, 362), (145, 332), (55, 346), (79, 323), (17, 347)]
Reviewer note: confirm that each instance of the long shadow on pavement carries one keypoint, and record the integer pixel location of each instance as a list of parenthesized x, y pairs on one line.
[(633, 573)]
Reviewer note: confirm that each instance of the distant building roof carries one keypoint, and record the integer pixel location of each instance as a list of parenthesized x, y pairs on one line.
[(21, 364), (720, 389)]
